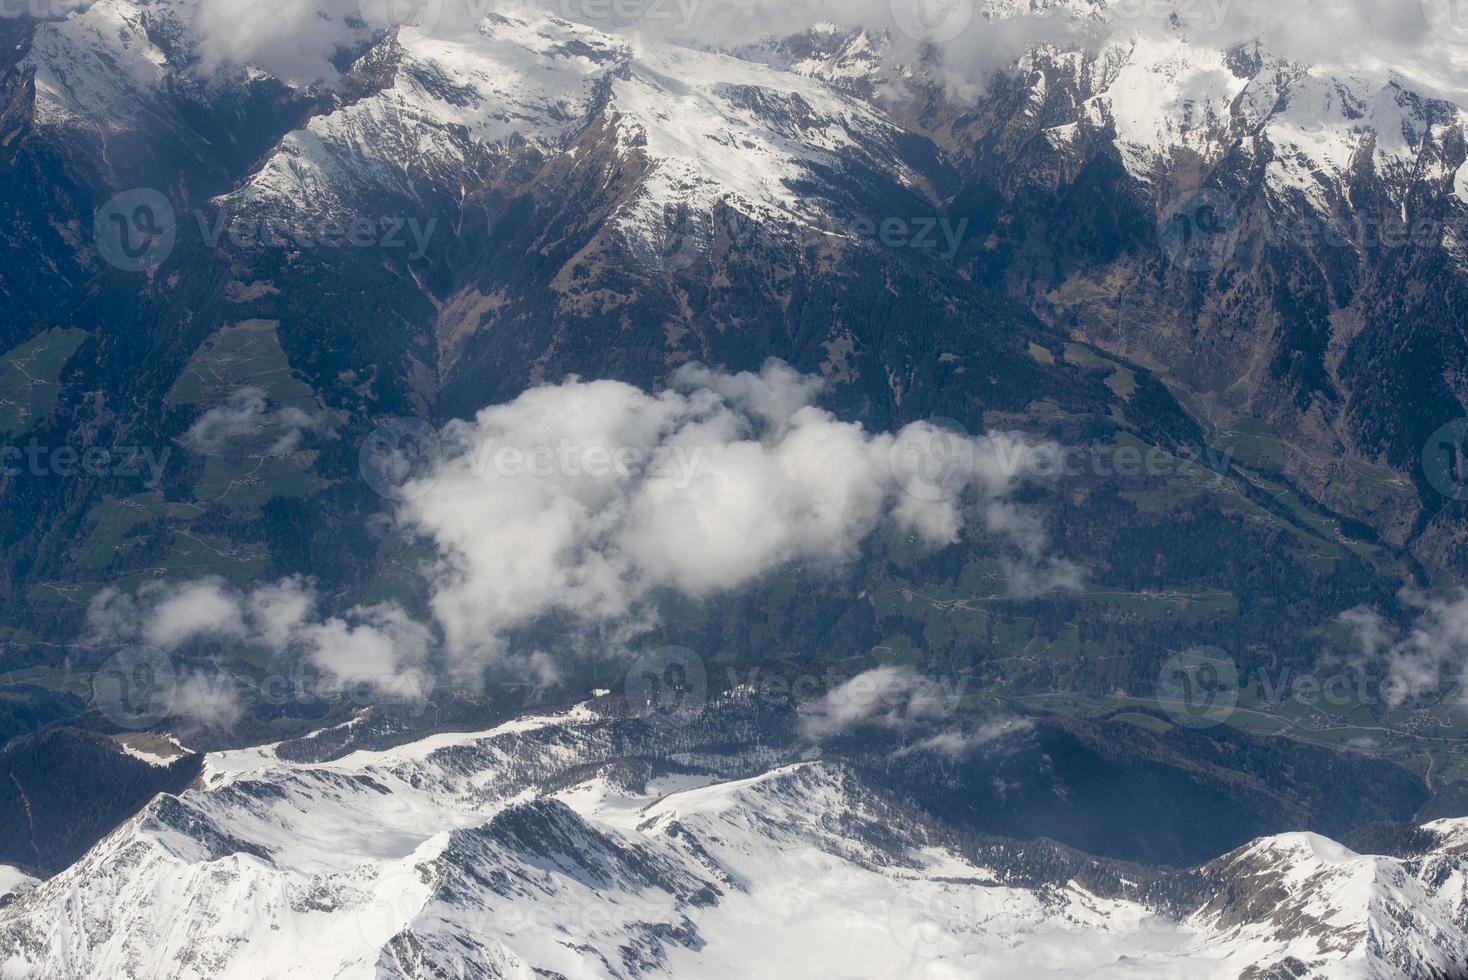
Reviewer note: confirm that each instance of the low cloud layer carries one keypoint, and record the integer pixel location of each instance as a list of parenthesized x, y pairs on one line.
[(378, 645), (583, 499), (900, 701), (894, 698), (580, 503), (246, 424)]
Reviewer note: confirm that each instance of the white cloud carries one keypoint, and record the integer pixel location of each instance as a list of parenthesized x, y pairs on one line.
[(902, 701), (756, 478), (581, 501), (1435, 644), (1370, 628), (296, 39), (245, 424), (208, 699), (895, 698), (291, 39), (278, 611), (957, 743), (1029, 577), (380, 645), (194, 610)]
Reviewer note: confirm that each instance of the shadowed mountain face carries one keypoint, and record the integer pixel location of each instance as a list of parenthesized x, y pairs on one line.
[(53, 814)]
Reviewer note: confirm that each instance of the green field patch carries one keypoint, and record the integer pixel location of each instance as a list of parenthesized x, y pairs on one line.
[(63, 593), (1154, 501), (1121, 380), (251, 483), (112, 522), (1014, 635), (249, 468), (1254, 442), (192, 556), (1451, 765), (29, 373), (1262, 724), (244, 355), (898, 649), (1150, 723), (1065, 646), (1323, 537), (46, 678)]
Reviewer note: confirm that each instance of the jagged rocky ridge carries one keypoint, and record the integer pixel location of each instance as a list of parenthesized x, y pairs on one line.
[(539, 848)]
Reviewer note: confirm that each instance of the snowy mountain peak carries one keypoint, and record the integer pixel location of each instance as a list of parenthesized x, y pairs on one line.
[(544, 847)]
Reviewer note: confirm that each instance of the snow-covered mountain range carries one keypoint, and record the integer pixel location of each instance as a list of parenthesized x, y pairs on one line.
[(590, 845), (1258, 237), (759, 125), (1151, 188)]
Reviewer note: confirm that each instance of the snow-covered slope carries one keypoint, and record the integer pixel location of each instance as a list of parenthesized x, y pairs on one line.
[(765, 129), (13, 881), (1310, 125), (1305, 897), (553, 846)]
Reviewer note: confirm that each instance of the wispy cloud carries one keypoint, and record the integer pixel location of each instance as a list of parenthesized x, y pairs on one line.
[(1420, 656)]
